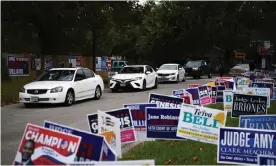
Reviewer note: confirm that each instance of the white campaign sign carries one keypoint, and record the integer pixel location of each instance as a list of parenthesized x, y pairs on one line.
[(200, 123), (256, 91), (227, 100), (243, 82), (107, 123), (121, 163)]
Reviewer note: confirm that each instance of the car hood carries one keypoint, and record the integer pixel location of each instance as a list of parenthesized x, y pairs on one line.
[(46, 84), (127, 76), (166, 71)]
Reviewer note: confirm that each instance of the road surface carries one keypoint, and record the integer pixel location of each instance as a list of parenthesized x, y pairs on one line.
[(15, 117)]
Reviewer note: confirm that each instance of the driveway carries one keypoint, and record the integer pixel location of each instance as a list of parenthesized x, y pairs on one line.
[(15, 117)]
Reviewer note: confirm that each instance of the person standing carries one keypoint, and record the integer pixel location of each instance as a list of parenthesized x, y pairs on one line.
[(252, 66), (221, 68)]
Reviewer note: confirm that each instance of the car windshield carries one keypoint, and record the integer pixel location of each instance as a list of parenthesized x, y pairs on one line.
[(57, 75), (128, 70), (168, 67), (193, 63)]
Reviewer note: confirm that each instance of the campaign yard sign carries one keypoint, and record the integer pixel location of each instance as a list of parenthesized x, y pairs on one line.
[(265, 122), (91, 145), (18, 66), (227, 100), (193, 85), (181, 93), (274, 94), (200, 123), (248, 105), (213, 95), (204, 95), (220, 90), (195, 95), (162, 123), (138, 113), (119, 163), (243, 82), (242, 146), (266, 160), (49, 147), (258, 92), (93, 123), (109, 127), (165, 101), (264, 85), (126, 125)]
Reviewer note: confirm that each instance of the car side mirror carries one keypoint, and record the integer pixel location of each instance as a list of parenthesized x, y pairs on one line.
[(148, 72)]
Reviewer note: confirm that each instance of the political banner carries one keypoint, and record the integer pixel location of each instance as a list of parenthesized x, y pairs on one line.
[(108, 154), (126, 125), (220, 90), (248, 105), (266, 160), (165, 101), (227, 100), (258, 92), (274, 94), (182, 93), (93, 123), (18, 65), (204, 95), (109, 127), (264, 85), (195, 95), (138, 113), (228, 83), (242, 146), (42, 146), (193, 85), (214, 95), (90, 148), (265, 122), (243, 82), (200, 124), (162, 123), (120, 163)]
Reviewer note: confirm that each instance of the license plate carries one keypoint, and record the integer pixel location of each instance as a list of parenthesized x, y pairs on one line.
[(122, 84), (163, 77), (34, 98)]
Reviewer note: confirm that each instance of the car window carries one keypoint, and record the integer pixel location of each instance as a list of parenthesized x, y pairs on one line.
[(80, 74), (149, 69), (88, 73), (57, 75), (122, 64)]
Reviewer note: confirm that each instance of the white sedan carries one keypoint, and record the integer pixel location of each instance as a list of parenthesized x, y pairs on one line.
[(62, 85), (171, 72), (134, 77)]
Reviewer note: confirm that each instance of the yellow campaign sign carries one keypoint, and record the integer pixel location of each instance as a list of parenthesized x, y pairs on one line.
[(212, 84), (197, 134)]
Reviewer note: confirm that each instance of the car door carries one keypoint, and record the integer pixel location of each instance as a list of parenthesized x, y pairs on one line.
[(79, 84), (90, 82)]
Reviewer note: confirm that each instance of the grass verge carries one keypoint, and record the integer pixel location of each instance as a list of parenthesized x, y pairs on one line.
[(183, 152)]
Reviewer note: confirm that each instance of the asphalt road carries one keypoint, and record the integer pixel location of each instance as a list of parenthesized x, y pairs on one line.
[(15, 117)]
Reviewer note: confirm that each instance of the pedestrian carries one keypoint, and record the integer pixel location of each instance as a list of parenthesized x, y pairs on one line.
[(252, 66), (221, 69)]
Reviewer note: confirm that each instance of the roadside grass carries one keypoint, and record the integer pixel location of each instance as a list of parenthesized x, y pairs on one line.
[(167, 152)]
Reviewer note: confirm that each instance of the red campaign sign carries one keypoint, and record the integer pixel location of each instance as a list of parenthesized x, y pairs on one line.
[(42, 146), (193, 85)]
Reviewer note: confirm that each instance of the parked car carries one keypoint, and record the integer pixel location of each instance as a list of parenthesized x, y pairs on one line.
[(134, 77), (62, 85), (171, 72), (239, 70), (198, 68)]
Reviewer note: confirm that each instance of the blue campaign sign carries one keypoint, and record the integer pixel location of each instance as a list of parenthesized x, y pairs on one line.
[(178, 93), (266, 122), (107, 153), (220, 90), (274, 94), (264, 85), (195, 95), (91, 144), (162, 123), (242, 146), (266, 160), (164, 101), (138, 114)]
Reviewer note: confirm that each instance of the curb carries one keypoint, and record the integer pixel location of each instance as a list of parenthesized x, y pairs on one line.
[(127, 147)]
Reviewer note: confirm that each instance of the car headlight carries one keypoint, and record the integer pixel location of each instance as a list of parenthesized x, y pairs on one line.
[(22, 90), (57, 89), (171, 74), (195, 68), (137, 78)]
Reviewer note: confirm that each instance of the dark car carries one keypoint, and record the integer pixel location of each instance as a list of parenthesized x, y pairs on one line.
[(198, 68)]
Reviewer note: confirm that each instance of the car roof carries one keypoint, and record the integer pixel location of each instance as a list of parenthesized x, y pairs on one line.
[(69, 68), (136, 65), (170, 64)]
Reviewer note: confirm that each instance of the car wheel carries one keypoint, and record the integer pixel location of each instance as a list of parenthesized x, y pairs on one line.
[(210, 75), (114, 90), (144, 85), (28, 105), (156, 83), (70, 98), (98, 93), (194, 77)]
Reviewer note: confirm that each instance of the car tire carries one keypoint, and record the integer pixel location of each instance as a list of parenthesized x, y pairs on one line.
[(210, 75), (194, 77), (69, 98), (155, 84), (114, 90), (144, 85), (28, 105), (98, 93)]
